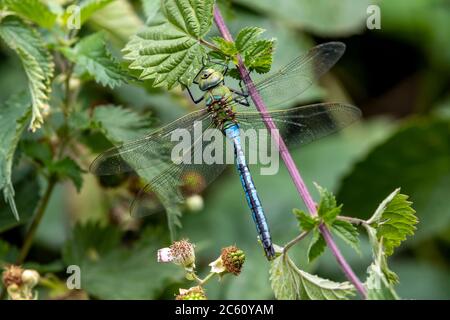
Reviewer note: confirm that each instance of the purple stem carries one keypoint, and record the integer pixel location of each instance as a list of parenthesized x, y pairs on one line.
[(287, 158)]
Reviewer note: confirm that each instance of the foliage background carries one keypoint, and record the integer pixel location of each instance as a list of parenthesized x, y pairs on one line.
[(399, 76)]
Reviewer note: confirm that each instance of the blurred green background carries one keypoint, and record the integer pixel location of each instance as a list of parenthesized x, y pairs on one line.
[(398, 75)]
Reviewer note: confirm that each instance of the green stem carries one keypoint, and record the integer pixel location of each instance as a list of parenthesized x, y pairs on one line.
[(29, 237), (201, 282), (295, 241), (209, 45), (352, 220)]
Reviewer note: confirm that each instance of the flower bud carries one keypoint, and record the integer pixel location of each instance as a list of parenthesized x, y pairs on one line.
[(30, 278), (195, 203), (194, 293)]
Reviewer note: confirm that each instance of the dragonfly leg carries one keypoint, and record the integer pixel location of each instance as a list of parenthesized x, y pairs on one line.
[(190, 93), (242, 97)]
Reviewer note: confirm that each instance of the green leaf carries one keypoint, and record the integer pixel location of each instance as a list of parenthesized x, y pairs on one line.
[(151, 8), (415, 157), (37, 62), (306, 221), (247, 37), (226, 47), (394, 220), (169, 49), (259, 56), (119, 124), (114, 271), (27, 189), (92, 56), (316, 246), (378, 287), (15, 114), (347, 232), (33, 10), (381, 280), (290, 283), (328, 209), (67, 168)]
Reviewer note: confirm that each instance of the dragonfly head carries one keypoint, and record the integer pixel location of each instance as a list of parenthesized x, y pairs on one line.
[(209, 78)]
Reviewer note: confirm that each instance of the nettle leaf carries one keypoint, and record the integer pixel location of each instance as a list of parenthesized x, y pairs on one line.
[(36, 60), (306, 221), (394, 220), (169, 48), (328, 209), (34, 10), (120, 124), (15, 114), (290, 283), (347, 232), (93, 57), (111, 270), (67, 168), (316, 246)]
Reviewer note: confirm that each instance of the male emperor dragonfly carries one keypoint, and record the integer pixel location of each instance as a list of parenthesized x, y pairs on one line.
[(150, 156)]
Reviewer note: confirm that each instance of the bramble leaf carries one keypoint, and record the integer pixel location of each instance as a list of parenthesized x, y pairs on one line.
[(169, 49), (328, 209), (15, 114), (33, 10), (306, 221), (92, 56), (394, 220), (347, 232), (290, 283), (247, 37), (36, 60), (259, 56), (316, 246), (228, 48)]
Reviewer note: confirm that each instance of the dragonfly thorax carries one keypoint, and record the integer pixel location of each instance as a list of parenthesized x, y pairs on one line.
[(218, 103)]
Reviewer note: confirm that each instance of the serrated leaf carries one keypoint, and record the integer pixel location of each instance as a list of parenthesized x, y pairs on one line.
[(226, 47), (67, 168), (119, 124), (328, 209), (169, 48), (36, 60), (114, 271), (394, 220), (92, 56), (347, 232), (290, 283), (259, 56), (316, 246), (247, 37), (15, 114), (377, 286), (306, 221), (33, 10)]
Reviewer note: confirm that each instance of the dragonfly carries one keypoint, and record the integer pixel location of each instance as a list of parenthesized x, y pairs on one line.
[(151, 155)]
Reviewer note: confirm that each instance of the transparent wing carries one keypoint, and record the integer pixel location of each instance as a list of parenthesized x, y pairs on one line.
[(301, 125), (151, 151), (298, 75), (200, 164)]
